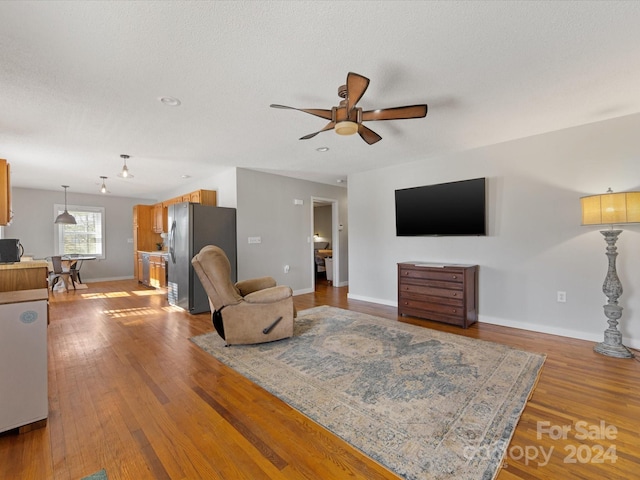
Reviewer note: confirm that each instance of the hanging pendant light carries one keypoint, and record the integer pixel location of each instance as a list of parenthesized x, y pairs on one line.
[(103, 187), (65, 217), (124, 173)]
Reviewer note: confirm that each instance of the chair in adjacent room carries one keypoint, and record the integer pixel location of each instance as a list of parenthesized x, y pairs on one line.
[(56, 272), (249, 311)]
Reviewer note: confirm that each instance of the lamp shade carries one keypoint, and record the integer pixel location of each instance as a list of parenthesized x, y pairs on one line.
[(611, 208), (346, 128), (66, 218)]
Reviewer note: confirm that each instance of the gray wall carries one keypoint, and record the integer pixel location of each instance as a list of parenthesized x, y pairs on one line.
[(267, 209), (33, 225), (535, 245)]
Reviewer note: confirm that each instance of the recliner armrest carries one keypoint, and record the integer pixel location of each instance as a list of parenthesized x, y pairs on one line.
[(246, 287), (269, 295)]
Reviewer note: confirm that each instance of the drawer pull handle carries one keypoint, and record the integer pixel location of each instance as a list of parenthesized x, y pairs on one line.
[(406, 303), (454, 276), (454, 310), (455, 294)]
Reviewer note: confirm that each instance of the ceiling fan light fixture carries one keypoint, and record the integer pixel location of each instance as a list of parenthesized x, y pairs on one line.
[(346, 128)]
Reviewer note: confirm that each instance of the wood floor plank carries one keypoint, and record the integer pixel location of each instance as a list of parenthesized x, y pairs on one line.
[(129, 392)]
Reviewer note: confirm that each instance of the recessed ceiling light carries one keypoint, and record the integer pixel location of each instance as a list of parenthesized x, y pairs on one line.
[(322, 149), (170, 101), (341, 180), (185, 176)]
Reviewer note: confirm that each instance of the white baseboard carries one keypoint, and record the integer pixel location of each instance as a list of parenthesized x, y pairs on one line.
[(106, 279), (561, 332), (533, 327), (302, 291), (390, 303)]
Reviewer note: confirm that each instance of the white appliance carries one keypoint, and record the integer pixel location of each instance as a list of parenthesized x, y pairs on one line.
[(23, 363)]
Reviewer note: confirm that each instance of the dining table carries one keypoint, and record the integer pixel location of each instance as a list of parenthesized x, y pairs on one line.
[(74, 262)]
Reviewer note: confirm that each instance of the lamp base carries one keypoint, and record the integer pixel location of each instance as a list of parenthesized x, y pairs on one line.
[(612, 288), (612, 345)]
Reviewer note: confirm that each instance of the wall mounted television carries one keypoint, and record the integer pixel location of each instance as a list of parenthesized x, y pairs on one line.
[(454, 208)]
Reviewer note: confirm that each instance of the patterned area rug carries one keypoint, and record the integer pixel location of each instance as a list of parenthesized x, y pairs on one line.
[(101, 475), (426, 404)]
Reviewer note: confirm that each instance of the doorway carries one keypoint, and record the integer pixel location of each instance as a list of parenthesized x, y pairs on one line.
[(325, 256)]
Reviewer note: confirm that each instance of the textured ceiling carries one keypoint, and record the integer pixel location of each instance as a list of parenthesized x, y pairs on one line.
[(80, 83)]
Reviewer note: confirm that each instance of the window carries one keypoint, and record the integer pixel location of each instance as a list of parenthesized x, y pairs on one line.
[(84, 238)]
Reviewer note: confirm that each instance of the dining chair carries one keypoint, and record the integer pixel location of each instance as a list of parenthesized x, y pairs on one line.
[(57, 272)]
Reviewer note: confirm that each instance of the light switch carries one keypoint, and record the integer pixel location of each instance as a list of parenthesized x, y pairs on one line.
[(255, 239)]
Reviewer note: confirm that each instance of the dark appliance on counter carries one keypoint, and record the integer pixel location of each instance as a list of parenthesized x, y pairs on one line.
[(191, 227), (10, 250)]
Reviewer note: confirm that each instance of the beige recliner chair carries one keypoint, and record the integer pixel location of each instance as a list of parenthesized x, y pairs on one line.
[(251, 311)]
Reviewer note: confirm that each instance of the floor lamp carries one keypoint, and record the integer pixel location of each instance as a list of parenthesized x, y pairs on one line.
[(612, 209)]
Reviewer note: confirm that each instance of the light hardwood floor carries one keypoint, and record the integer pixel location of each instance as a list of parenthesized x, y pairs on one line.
[(130, 393)]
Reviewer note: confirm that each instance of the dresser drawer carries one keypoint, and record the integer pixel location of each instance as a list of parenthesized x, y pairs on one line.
[(406, 298), (435, 316), (448, 275), (426, 306), (431, 287)]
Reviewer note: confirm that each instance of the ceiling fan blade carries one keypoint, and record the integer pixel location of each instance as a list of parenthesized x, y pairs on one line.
[(328, 126), (397, 113), (368, 135), (318, 112), (356, 86)]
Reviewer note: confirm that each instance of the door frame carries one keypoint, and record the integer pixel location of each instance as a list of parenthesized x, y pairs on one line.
[(335, 239)]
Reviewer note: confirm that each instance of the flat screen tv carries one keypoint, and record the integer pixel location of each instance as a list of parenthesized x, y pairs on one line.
[(455, 208)]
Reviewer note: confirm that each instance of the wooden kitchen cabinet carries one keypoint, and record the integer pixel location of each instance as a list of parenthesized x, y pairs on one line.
[(442, 292), (157, 270), (203, 197), (159, 218), (5, 193), (144, 238)]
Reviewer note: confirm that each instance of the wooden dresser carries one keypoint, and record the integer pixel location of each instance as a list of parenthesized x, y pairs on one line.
[(442, 292)]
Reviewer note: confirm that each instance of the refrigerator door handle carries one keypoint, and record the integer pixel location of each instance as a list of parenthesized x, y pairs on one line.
[(172, 242)]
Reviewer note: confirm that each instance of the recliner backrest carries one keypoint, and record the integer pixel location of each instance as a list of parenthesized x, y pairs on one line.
[(214, 271)]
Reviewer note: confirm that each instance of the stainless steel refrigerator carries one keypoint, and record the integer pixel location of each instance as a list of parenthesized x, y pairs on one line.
[(191, 227)]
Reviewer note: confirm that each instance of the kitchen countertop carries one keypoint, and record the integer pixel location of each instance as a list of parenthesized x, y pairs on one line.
[(24, 265), (20, 296)]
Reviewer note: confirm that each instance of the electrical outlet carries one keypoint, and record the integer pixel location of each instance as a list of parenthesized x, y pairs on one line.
[(286, 269), (562, 296), (255, 239)]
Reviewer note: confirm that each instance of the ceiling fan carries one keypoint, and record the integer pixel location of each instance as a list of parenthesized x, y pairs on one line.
[(346, 118)]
